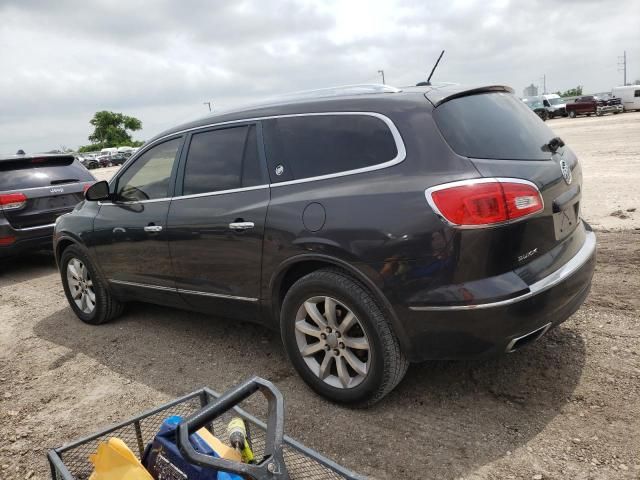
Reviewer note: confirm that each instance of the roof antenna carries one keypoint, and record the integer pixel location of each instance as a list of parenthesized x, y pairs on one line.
[(428, 82)]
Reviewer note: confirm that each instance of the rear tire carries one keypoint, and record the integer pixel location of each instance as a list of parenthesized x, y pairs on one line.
[(335, 369), (100, 305), (572, 114)]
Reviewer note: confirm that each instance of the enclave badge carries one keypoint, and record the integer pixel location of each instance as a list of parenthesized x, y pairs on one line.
[(566, 171)]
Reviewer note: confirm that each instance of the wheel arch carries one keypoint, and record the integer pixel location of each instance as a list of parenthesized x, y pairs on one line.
[(62, 243), (297, 267)]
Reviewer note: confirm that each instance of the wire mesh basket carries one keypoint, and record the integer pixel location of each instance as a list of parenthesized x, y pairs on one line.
[(282, 457)]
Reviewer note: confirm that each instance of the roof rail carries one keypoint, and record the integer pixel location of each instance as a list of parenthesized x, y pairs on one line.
[(341, 90)]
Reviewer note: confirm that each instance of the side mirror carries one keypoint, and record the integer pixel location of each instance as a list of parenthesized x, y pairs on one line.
[(98, 191)]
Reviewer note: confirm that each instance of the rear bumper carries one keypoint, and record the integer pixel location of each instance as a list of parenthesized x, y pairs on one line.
[(26, 239), (466, 331)]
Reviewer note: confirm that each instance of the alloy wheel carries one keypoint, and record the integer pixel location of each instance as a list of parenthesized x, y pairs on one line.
[(81, 286), (332, 342)]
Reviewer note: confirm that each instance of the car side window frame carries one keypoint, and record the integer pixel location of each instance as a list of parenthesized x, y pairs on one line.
[(401, 152), (182, 164), (113, 183)]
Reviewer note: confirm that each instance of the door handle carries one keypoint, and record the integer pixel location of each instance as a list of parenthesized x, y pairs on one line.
[(153, 228), (240, 226)]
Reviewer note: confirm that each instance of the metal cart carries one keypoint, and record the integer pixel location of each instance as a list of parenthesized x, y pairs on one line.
[(282, 457)]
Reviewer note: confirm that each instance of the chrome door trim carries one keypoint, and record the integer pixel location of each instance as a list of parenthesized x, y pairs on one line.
[(38, 227), (180, 290), (566, 270), (217, 295), (143, 285)]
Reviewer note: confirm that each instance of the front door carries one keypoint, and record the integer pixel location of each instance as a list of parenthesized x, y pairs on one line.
[(130, 236), (216, 221)]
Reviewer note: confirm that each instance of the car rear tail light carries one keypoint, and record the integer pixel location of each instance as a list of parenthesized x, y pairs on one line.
[(4, 241), (12, 201), (485, 201)]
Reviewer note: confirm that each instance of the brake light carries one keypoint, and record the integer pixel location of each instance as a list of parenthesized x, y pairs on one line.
[(12, 201), (486, 201), (4, 241)]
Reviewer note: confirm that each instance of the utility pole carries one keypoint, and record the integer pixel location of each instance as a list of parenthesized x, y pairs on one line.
[(207, 103), (381, 72), (622, 62)]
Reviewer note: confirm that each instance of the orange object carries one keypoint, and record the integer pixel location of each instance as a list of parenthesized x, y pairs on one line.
[(220, 448), (115, 461)]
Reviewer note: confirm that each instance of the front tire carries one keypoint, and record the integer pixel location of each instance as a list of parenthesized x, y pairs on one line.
[(85, 289), (572, 114), (339, 340)]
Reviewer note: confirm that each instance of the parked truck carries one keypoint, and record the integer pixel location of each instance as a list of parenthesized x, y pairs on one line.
[(629, 95), (592, 105)]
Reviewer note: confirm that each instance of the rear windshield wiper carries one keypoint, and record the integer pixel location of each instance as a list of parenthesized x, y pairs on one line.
[(553, 145), (64, 180)]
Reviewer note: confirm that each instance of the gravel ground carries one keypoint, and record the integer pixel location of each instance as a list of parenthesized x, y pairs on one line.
[(566, 407)]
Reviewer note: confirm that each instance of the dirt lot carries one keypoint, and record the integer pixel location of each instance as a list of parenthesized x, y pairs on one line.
[(568, 407)]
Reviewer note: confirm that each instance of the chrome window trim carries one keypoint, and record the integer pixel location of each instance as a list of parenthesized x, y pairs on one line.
[(135, 202), (475, 181), (180, 290), (399, 158), (566, 270), (221, 192)]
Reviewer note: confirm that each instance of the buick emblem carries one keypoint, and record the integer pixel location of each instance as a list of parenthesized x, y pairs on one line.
[(566, 171), (279, 170)]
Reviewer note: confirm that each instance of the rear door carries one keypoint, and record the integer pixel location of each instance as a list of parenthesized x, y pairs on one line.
[(216, 221), (52, 186), (130, 236), (503, 139)]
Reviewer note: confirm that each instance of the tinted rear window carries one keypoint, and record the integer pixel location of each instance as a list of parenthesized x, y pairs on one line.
[(315, 145), (493, 125), (33, 173)]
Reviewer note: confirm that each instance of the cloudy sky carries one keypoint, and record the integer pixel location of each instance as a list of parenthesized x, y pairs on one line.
[(63, 60)]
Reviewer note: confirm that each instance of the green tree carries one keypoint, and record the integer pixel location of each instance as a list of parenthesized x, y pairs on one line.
[(572, 92), (112, 129)]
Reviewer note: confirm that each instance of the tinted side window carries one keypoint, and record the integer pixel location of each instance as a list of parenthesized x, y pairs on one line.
[(310, 146), (148, 177), (222, 160), (636, 93)]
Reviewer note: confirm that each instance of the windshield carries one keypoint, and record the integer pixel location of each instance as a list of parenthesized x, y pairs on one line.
[(557, 101), (493, 125)]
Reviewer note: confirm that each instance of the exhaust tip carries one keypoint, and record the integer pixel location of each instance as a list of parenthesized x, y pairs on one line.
[(519, 342)]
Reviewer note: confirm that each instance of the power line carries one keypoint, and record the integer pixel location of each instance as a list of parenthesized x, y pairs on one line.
[(622, 62)]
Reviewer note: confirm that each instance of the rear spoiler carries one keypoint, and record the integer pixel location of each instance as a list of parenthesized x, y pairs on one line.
[(438, 96), (36, 158)]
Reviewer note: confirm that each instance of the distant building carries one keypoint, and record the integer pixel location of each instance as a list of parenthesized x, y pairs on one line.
[(530, 91)]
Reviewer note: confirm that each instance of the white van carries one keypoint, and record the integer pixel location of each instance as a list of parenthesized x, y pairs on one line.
[(556, 105), (630, 96)]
